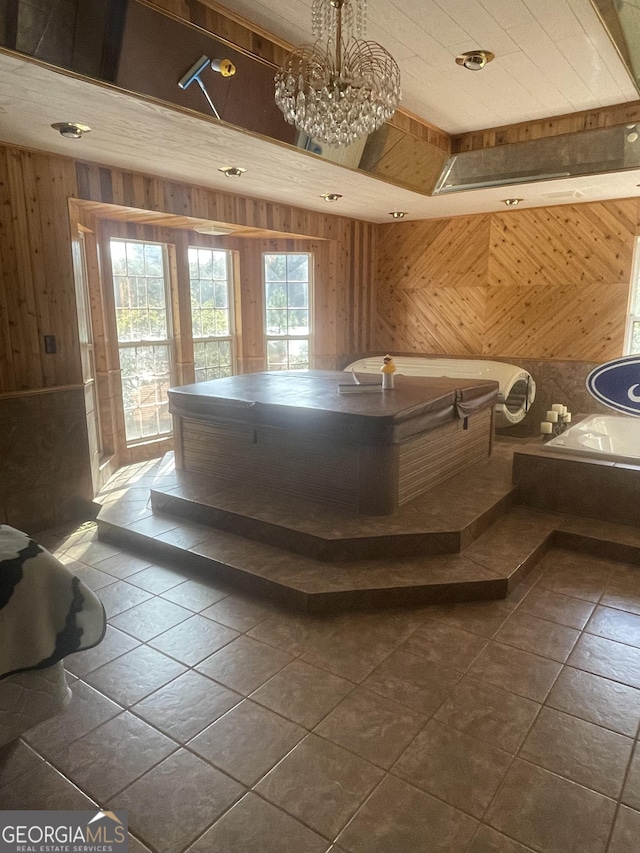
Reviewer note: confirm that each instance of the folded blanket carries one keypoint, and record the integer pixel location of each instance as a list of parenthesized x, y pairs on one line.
[(46, 612)]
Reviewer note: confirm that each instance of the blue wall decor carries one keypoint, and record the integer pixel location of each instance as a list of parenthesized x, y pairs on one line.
[(617, 384)]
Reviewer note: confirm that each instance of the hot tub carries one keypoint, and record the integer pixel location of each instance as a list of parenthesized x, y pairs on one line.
[(612, 437), (295, 432), (517, 390)]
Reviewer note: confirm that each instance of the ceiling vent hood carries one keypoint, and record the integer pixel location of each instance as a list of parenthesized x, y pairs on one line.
[(591, 152)]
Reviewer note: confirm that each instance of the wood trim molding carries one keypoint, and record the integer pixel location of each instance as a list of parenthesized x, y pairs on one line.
[(556, 126), (33, 392)]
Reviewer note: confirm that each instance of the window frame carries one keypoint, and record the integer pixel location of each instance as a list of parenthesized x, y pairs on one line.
[(309, 337), (169, 341), (634, 296), (232, 336)]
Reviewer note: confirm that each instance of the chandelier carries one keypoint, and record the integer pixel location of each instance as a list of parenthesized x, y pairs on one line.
[(341, 87)]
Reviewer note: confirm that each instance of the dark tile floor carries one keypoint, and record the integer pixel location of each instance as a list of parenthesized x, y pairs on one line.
[(225, 724)]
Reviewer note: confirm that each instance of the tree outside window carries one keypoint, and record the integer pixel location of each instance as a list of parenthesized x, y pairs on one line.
[(143, 324), (287, 310), (211, 312)]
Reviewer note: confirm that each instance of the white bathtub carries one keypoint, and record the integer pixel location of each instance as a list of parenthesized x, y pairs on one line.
[(517, 388), (612, 437)]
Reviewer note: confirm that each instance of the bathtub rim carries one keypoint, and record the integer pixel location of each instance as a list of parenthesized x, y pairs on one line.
[(595, 455)]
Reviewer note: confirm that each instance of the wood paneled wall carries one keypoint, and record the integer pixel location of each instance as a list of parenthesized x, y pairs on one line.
[(223, 22), (542, 283), (37, 298), (546, 283), (37, 295), (342, 249), (618, 114)]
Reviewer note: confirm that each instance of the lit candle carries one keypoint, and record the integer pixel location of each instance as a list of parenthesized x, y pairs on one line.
[(546, 428), (552, 417), (567, 418), (557, 407)]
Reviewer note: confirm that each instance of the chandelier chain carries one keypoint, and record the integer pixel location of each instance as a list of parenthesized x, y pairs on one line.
[(342, 87), (325, 14)]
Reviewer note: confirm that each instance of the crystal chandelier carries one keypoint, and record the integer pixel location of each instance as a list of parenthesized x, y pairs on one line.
[(341, 87)]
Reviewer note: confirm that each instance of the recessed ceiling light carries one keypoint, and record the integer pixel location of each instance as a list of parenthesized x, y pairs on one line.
[(475, 60), (212, 230), (71, 129), (398, 214), (232, 171), (633, 136), (512, 202), (331, 196)]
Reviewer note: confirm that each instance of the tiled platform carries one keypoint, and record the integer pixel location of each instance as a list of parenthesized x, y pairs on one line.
[(226, 724), (464, 540), (317, 558), (444, 520), (561, 482)]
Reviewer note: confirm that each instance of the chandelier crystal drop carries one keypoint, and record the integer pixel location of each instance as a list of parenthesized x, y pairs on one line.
[(341, 87)]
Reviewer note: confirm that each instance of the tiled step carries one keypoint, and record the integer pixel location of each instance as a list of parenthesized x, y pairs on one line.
[(445, 520), (461, 541), (491, 566), (600, 538)]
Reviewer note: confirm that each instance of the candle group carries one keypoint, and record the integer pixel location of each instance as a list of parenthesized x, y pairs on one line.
[(556, 419)]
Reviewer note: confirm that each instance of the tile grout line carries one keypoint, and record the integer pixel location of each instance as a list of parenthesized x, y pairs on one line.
[(619, 804), (299, 656)]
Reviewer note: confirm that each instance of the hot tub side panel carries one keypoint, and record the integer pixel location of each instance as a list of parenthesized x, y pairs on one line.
[(370, 479), (436, 456)]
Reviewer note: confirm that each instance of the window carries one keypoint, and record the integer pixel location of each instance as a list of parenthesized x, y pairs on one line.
[(632, 338), (211, 313), (287, 314), (144, 336)]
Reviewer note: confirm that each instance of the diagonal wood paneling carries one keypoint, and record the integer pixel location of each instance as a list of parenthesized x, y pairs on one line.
[(584, 323), (404, 159), (443, 320), (549, 283), (434, 253), (563, 245)]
